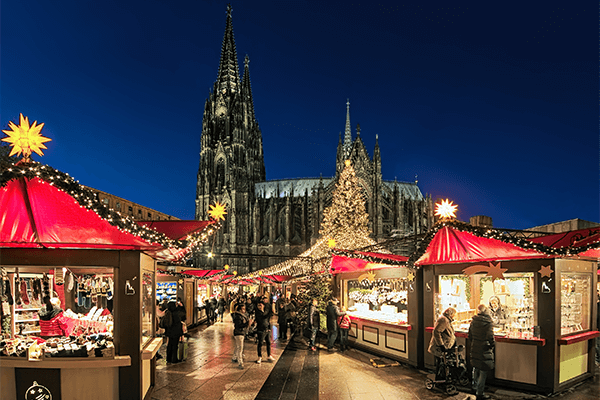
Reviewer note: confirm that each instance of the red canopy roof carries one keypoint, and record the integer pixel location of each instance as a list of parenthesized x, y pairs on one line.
[(34, 214), (450, 245), (349, 261), (580, 237)]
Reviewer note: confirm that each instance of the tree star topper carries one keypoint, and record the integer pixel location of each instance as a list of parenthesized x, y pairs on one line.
[(546, 271), (331, 243), (217, 211), (445, 209), (25, 138)]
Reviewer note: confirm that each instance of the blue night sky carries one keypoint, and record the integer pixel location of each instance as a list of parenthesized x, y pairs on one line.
[(491, 104)]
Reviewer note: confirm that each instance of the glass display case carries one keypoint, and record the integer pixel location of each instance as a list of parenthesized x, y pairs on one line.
[(575, 302), (166, 291), (509, 300), (148, 307), (383, 300)]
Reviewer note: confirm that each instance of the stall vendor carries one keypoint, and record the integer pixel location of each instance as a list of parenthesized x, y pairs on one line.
[(52, 322), (497, 312)]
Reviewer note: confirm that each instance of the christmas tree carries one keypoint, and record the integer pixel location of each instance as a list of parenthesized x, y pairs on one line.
[(346, 218)]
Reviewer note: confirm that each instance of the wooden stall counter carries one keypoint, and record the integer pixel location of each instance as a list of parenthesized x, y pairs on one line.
[(65, 378), (384, 338)]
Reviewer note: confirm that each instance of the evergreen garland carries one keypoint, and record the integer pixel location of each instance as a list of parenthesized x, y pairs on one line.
[(89, 200)]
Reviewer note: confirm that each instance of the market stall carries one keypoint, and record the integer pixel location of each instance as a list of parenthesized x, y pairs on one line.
[(541, 299), (85, 276), (379, 293)]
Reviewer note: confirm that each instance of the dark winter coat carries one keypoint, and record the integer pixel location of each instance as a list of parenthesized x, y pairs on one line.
[(221, 305), (333, 312), (263, 318), (442, 336), (282, 314), (314, 317), (481, 336), (240, 323), (175, 329)]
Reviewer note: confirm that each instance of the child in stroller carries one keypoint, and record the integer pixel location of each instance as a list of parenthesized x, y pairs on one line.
[(451, 370)]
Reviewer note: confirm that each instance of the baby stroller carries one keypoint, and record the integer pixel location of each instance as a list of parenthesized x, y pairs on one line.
[(451, 371)]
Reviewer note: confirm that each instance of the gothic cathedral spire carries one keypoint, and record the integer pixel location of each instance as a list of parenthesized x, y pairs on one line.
[(228, 79), (231, 151), (347, 133)]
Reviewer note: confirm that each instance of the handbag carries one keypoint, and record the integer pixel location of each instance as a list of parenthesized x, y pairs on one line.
[(184, 327)]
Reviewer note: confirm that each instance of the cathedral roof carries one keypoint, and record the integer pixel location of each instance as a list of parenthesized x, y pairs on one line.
[(411, 190), (288, 187)]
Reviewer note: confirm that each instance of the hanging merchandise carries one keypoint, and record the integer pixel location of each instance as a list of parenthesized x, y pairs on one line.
[(46, 286)]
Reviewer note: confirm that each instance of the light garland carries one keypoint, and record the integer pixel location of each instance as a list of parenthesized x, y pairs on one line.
[(89, 200), (496, 234)]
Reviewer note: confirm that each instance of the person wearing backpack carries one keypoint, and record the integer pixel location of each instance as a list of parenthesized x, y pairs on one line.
[(344, 324)]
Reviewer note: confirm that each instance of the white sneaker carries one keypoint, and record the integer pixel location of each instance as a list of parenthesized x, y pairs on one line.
[(259, 360), (270, 358)]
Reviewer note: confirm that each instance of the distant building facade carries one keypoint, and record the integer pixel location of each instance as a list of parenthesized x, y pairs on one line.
[(564, 226), (268, 221), (134, 210)]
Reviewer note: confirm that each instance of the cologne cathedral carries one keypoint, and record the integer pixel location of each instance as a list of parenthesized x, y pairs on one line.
[(269, 221)]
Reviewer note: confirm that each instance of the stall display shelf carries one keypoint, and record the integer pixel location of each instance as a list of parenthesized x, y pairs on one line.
[(27, 309), (377, 316), (578, 338), (26, 320)]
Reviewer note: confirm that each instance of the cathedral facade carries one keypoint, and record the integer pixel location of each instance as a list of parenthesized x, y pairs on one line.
[(270, 221)]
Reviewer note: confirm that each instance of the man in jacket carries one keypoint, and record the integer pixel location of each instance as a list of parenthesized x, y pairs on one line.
[(240, 326), (333, 313), (263, 314), (314, 323), (481, 336)]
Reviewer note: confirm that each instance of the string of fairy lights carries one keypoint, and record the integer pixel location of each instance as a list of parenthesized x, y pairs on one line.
[(367, 257), (89, 200), (491, 233)]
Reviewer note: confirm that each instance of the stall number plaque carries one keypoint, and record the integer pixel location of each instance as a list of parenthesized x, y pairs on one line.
[(38, 392)]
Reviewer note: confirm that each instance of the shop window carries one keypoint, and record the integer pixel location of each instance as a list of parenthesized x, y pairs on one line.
[(149, 215), (105, 201), (575, 302), (118, 205), (380, 300), (69, 307), (148, 306), (510, 301)]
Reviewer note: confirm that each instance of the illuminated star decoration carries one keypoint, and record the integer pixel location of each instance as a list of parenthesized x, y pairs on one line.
[(495, 271), (25, 138), (445, 209), (217, 211), (545, 271), (331, 243), (411, 276), (370, 276)]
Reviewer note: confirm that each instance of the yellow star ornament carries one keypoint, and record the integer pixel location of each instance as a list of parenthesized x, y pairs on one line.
[(446, 209), (217, 211), (331, 243), (25, 138)]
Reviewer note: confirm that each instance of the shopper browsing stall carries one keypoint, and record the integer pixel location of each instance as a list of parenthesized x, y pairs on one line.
[(497, 312), (442, 338), (481, 336), (240, 326)]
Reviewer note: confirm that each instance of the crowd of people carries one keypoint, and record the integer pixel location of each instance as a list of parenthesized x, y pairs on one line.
[(252, 317)]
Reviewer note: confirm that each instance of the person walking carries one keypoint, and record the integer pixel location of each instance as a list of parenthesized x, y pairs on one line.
[(263, 314), (333, 313), (290, 315), (442, 339), (314, 323), (282, 320), (221, 305), (344, 324), (240, 326), (173, 331), (481, 336)]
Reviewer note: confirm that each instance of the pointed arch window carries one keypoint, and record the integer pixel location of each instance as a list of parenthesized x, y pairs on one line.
[(220, 174)]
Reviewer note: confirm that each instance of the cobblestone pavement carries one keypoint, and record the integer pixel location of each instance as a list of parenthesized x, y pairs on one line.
[(300, 374)]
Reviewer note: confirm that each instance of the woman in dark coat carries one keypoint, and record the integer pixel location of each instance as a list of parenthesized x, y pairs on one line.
[(442, 339), (173, 330), (282, 320), (481, 336), (221, 307)]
